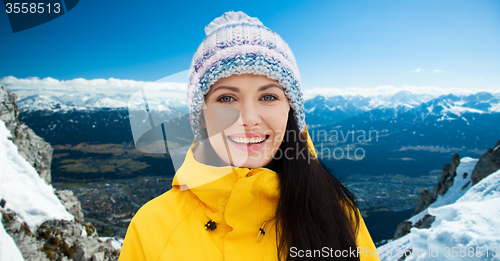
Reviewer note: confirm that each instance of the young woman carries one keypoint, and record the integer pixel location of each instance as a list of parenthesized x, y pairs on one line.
[(251, 187)]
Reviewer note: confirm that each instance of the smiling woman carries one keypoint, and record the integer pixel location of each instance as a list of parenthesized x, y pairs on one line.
[(258, 132), (250, 187)]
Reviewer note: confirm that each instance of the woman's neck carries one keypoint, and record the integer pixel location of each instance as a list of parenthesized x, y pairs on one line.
[(206, 155)]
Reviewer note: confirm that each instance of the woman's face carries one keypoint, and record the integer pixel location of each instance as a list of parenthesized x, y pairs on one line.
[(256, 135)]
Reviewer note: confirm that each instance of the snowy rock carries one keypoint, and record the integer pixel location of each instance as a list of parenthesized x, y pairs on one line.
[(31, 147), (405, 226), (487, 164), (86, 249), (8, 108), (26, 242), (71, 203), (465, 217), (468, 224), (403, 229), (449, 171), (57, 239), (23, 190), (448, 174), (115, 242), (451, 175), (37, 224), (425, 222), (98, 256), (8, 247), (35, 150)]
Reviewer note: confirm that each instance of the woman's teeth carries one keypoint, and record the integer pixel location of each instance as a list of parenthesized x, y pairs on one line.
[(252, 140)]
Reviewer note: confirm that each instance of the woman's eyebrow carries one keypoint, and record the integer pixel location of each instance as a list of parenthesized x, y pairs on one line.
[(236, 89), (265, 87)]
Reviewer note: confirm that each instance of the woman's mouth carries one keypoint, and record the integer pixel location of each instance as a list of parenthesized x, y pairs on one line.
[(248, 143)]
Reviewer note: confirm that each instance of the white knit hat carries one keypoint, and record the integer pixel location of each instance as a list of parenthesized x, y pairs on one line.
[(238, 44)]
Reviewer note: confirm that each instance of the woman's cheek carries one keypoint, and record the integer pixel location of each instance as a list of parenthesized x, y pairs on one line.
[(277, 120)]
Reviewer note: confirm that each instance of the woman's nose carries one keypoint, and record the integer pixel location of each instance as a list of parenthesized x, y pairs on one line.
[(250, 116)]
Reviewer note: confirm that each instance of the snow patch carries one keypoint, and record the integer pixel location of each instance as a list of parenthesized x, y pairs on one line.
[(470, 224), (116, 243), (22, 188), (466, 165), (8, 248)]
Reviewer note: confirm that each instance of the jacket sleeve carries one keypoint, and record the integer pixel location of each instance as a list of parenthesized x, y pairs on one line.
[(132, 246), (366, 248)]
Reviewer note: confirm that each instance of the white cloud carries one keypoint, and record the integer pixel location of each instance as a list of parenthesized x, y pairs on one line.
[(109, 87), (419, 70), (437, 71)]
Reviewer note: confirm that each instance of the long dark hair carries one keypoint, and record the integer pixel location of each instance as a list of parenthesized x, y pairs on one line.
[(314, 210)]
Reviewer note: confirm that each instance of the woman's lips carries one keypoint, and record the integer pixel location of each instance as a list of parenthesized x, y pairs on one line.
[(248, 136)]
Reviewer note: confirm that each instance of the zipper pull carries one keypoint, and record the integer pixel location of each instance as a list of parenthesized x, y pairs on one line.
[(210, 225), (261, 232)]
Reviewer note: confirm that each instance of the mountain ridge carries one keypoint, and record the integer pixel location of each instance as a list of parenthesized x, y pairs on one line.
[(41, 222), (437, 211)]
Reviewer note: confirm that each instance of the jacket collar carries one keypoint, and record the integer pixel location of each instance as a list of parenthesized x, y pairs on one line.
[(214, 185)]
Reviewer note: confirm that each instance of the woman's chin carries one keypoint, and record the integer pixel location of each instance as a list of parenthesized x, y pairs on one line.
[(253, 164)]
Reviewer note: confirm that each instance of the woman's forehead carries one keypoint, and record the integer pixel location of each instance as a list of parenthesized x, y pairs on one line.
[(245, 82)]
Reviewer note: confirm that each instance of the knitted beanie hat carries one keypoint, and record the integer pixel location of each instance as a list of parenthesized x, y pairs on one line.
[(238, 44)]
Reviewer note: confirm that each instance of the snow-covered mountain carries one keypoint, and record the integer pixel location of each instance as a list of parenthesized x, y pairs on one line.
[(466, 224), (462, 222), (404, 120), (405, 106), (31, 211), (72, 102), (37, 221), (470, 121), (320, 110), (323, 110), (25, 193), (452, 107), (405, 124)]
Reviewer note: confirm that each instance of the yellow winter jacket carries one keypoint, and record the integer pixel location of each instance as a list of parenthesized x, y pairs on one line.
[(239, 200)]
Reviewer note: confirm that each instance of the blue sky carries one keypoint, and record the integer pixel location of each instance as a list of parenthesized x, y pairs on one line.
[(337, 44)]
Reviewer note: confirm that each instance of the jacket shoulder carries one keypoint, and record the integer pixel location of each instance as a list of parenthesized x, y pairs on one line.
[(151, 227), (366, 248)]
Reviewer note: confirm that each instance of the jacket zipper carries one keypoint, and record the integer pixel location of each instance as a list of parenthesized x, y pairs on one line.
[(261, 232)]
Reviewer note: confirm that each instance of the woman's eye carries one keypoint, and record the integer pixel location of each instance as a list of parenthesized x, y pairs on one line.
[(225, 99), (269, 98)]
